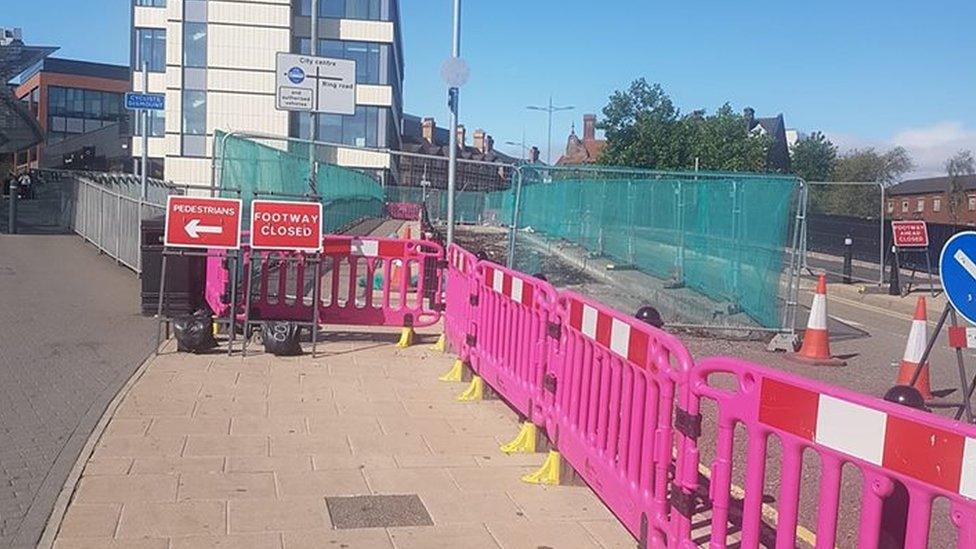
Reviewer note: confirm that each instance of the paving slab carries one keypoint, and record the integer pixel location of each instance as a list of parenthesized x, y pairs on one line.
[(360, 446)]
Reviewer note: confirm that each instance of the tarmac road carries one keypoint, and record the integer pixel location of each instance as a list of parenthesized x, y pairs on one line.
[(70, 336)]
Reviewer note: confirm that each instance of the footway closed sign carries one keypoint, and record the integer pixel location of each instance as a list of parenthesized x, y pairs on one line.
[(197, 222), (281, 225)]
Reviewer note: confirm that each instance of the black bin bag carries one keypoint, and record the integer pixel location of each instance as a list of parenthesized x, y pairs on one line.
[(281, 338), (194, 333)]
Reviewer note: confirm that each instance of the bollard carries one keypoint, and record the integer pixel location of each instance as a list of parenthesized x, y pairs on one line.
[(894, 510), (848, 258), (12, 196), (894, 287), (649, 315)]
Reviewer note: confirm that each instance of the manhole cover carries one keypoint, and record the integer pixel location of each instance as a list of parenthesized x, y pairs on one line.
[(378, 511)]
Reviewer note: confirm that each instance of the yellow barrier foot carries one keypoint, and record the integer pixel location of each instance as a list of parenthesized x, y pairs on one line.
[(456, 373), (406, 338), (524, 442), (441, 344), (549, 472), (475, 391)]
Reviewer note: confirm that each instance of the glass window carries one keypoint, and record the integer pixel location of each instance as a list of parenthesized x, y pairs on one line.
[(194, 112), (302, 45), (330, 128), (55, 100), (302, 8), (195, 44), (972, 203), (891, 206), (904, 206), (362, 9), (151, 48), (93, 104), (331, 8), (936, 204), (157, 123), (151, 3), (920, 206)]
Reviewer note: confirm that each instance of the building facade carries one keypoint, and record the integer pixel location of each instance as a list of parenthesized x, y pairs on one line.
[(586, 150), (215, 62), (934, 199), (71, 99)]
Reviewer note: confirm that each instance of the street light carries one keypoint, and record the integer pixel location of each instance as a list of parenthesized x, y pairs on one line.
[(517, 144), (549, 109)]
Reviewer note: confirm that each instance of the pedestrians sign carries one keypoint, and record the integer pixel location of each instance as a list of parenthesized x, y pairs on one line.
[(280, 225), (957, 268), (149, 101), (196, 222), (910, 234), (315, 84)]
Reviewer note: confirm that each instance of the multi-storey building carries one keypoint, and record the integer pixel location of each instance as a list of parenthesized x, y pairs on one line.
[(215, 62), (71, 99)]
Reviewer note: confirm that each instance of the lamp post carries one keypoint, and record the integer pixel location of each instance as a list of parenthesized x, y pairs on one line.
[(549, 109), (455, 73)]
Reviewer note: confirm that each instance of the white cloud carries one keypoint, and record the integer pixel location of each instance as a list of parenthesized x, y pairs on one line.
[(929, 146)]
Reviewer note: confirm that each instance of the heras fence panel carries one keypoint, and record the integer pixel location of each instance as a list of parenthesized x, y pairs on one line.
[(906, 460), (512, 318), (362, 282), (612, 381), (460, 289)]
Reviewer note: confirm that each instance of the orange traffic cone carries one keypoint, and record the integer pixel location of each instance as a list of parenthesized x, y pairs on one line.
[(816, 341), (917, 338)]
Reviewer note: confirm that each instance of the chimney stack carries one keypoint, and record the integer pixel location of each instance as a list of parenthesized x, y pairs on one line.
[(534, 155), (489, 144), (460, 136), (479, 140), (428, 126), (589, 127), (750, 115)]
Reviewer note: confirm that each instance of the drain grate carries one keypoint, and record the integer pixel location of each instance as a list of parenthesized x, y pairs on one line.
[(378, 511)]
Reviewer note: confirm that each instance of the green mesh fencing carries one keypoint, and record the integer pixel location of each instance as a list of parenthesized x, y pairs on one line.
[(470, 208), (722, 235), (280, 167)]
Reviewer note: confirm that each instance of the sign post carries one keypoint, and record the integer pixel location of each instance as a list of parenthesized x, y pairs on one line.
[(289, 226), (143, 103), (912, 237), (201, 223), (280, 225)]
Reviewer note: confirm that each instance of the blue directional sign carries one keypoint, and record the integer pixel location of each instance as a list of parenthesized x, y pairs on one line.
[(150, 101), (957, 268)]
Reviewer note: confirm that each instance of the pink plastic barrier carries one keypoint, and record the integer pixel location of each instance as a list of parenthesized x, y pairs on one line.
[(512, 318), (897, 450), (460, 287), (613, 382), (380, 282), (363, 282), (408, 211)]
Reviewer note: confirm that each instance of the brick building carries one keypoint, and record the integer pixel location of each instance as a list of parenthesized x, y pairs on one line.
[(70, 99), (586, 150), (929, 199)]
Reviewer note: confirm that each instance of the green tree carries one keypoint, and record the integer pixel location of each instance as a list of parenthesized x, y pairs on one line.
[(721, 142), (814, 157), (641, 124), (644, 129), (870, 165), (962, 164)]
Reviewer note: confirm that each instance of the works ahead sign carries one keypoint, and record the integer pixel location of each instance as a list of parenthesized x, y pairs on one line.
[(197, 222), (280, 225), (910, 234)]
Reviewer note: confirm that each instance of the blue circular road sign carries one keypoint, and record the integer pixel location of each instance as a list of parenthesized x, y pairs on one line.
[(957, 268), (296, 75)]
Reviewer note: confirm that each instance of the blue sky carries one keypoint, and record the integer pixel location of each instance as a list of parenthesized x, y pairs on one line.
[(869, 72)]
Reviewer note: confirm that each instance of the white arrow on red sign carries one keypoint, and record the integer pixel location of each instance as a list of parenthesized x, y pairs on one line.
[(195, 229)]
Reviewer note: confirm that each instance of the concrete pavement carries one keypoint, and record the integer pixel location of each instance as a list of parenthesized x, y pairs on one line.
[(70, 336), (289, 452)]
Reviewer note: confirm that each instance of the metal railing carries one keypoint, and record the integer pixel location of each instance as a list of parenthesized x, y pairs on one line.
[(105, 210)]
